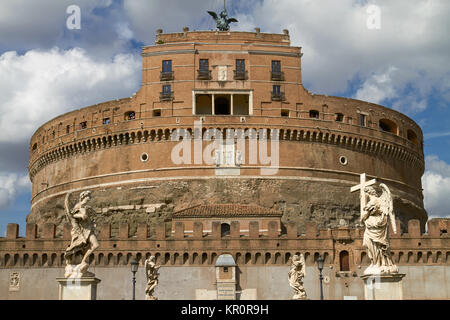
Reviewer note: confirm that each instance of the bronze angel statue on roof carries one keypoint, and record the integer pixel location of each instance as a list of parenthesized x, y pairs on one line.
[(222, 22)]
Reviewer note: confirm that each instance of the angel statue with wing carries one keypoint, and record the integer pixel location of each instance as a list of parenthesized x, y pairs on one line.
[(376, 215), (222, 21), (296, 274), (151, 271), (84, 240)]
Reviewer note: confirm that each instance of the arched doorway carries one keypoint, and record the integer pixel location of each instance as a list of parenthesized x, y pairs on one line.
[(225, 229)]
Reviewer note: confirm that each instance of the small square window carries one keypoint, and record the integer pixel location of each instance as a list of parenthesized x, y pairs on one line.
[(339, 117), (225, 269), (106, 121), (314, 114), (157, 113), (83, 125), (285, 113)]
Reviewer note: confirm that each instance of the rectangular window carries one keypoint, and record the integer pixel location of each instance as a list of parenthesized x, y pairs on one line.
[(363, 120), (83, 125), (285, 113), (67, 129), (106, 121), (167, 89), (276, 90), (276, 66), (157, 113), (240, 65), (204, 64), (167, 66)]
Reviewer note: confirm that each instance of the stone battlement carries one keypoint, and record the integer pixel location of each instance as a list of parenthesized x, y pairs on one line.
[(178, 248)]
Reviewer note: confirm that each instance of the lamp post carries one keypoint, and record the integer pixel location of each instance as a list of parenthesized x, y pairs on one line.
[(134, 269), (320, 267)]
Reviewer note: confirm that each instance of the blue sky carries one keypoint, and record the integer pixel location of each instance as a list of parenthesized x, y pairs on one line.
[(47, 69)]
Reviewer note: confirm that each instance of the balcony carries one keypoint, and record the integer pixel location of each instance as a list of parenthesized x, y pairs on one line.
[(240, 74), (204, 74), (277, 96), (166, 96), (166, 76), (277, 76)]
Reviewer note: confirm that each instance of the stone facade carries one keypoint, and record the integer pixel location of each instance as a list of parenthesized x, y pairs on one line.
[(121, 150), (425, 258)]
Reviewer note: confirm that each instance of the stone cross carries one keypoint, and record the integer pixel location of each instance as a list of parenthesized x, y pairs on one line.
[(361, 186)]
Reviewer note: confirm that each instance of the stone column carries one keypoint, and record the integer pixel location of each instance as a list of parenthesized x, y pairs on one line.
[(232, 104), (212, 104)]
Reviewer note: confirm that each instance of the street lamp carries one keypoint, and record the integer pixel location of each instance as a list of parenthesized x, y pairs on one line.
[(134, 269), (320, 267)]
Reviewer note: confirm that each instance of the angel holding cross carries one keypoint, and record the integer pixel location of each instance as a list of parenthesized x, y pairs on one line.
[(376, 215)]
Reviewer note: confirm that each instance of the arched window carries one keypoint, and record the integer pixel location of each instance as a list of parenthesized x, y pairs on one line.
[(130, 115), (225, 229), (412, 136), (387, 125), (344, 261)]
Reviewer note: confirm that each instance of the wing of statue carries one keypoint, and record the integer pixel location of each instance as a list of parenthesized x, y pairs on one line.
[(302, 261), (213, 14), (388, 205), (232, 20), (66, 204)]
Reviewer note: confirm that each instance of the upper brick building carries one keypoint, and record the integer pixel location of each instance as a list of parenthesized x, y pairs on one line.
[(122, 150)]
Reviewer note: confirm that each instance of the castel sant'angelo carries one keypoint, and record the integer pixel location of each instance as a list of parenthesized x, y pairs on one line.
[(159, 187)]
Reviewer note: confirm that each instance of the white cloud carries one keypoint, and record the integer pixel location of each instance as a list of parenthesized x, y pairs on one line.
[(378, 87), (11, 185), (41, 85), (436, 185), (339, 48)]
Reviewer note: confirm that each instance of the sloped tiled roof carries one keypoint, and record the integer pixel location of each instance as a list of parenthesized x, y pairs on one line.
[(226, 210)]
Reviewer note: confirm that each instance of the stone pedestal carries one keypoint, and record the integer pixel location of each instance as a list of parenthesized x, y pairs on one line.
[(383, 287), (84, 288)]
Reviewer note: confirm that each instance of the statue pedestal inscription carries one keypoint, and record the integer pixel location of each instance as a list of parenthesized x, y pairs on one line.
[(84, 288), (383, 287)]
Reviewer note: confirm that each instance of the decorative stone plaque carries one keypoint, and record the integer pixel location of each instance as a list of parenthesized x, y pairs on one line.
[(14, 281), (222, 73)]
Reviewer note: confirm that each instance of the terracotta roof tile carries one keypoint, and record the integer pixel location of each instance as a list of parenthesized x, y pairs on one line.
[(226, 210)]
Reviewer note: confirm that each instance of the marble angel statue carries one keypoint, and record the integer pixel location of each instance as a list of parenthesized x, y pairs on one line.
[(296, 274), (84, 240), (376, 216)]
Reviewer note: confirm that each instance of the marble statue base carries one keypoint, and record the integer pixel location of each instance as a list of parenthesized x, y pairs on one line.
[(83, 288), (383, 287)]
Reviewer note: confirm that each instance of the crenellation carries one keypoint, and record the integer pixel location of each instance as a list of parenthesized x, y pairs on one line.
[(253, 230), (12, 231), (49, 231), (198, 230), (414, 229), (124, 231)]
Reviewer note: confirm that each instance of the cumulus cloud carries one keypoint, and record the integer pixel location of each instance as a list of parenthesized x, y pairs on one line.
[(12, 185), (340, 50), (43, 84), (436, 185), (378, 87)]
